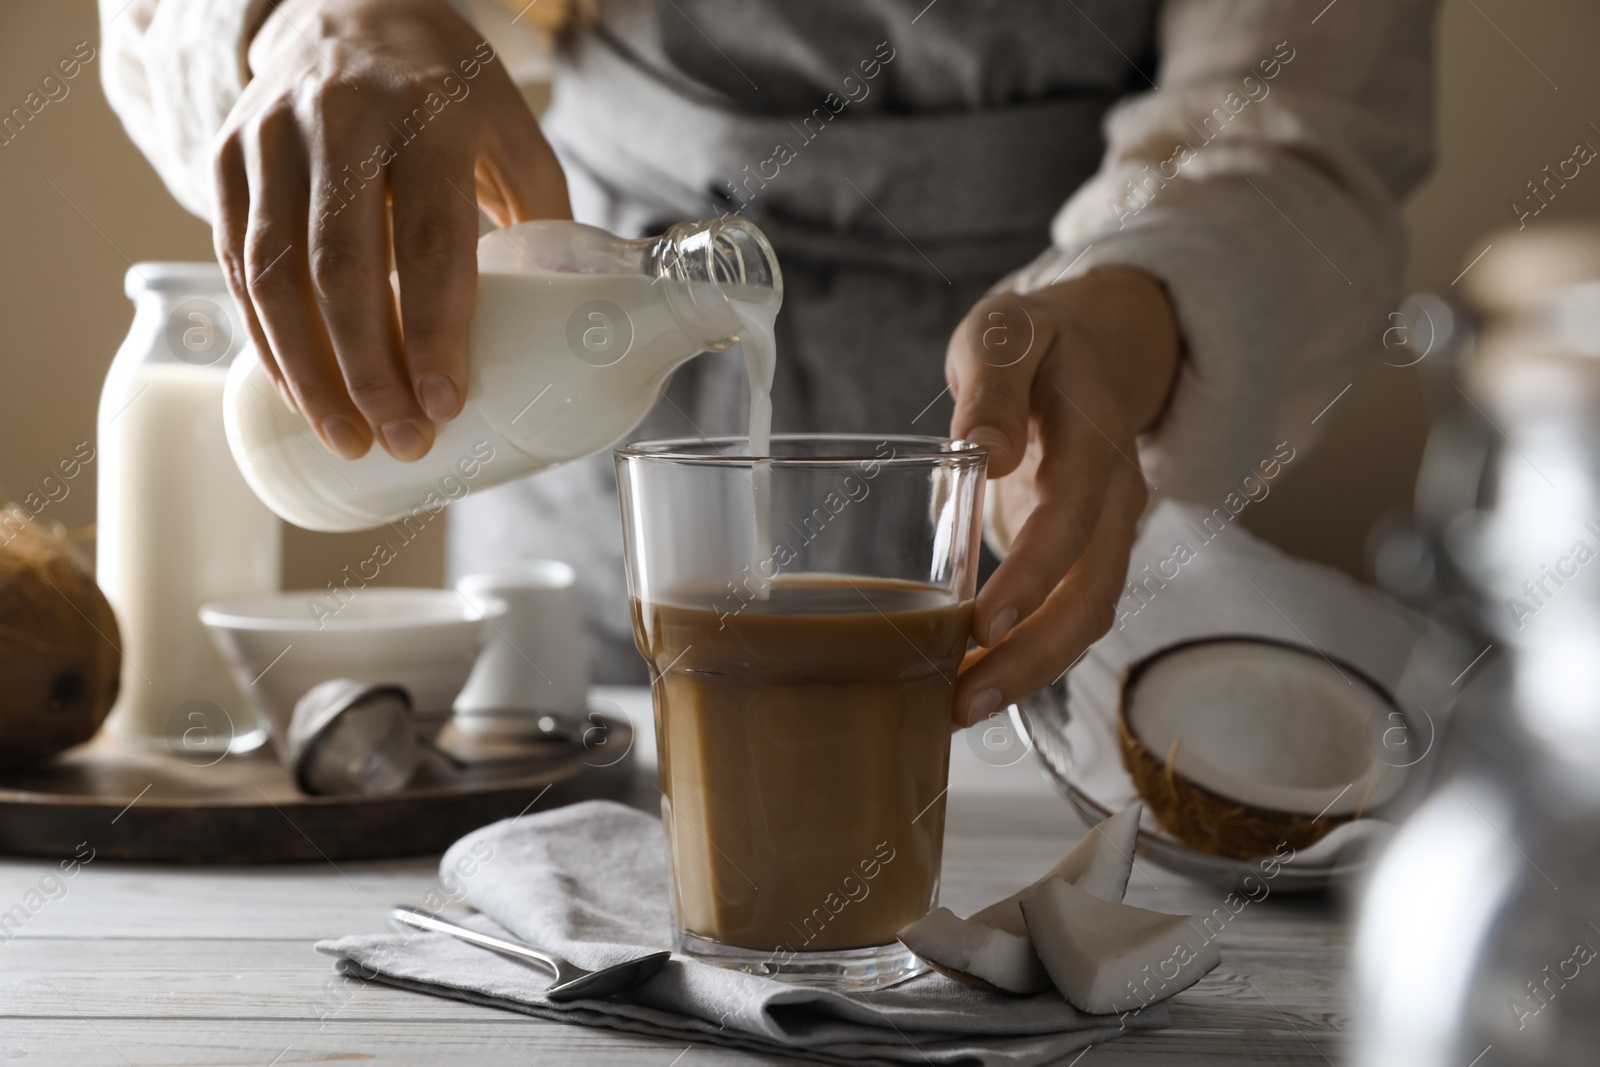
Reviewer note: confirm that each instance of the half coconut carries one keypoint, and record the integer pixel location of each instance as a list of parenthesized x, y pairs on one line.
[(1242, 744)]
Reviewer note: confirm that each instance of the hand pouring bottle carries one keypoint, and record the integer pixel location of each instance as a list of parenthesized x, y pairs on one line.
[(573, 334)]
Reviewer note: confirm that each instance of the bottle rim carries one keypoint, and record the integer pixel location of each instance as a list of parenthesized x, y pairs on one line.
[(730, 250)]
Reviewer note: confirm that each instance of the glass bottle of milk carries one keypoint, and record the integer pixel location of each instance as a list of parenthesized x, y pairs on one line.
[(574, 332), (177, 525)]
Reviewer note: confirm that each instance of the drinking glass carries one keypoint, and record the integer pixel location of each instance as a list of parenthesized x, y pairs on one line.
[(804, 616)]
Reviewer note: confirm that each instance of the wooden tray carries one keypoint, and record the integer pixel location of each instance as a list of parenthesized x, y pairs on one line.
[(131, 804)]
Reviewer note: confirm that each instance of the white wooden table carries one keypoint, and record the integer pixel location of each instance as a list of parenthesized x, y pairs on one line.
[(138, 965)]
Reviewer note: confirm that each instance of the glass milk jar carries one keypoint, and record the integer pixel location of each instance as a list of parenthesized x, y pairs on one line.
[(177, 525), (573, 334)]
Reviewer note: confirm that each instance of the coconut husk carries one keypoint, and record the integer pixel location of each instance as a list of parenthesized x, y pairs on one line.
[(1197, 816), (1203, 820), (60, 650)]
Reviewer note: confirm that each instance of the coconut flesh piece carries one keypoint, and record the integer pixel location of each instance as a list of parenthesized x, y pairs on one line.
[(976, 955), (992, 949), (1239, 744), (1110, 957), (1100, 865)]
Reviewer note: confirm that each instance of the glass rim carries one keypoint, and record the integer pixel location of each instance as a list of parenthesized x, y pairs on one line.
[(917, 450)]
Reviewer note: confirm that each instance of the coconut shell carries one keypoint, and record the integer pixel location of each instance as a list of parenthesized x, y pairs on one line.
[(1197, 816), (60, 651)]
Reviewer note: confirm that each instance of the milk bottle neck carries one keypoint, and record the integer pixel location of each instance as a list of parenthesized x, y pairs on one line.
[(183, 313), (725, 271)]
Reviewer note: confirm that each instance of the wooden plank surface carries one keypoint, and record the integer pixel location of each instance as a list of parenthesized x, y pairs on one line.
[(132, 964)]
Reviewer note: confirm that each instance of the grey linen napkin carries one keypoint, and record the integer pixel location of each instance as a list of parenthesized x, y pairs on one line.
[(589, 882)]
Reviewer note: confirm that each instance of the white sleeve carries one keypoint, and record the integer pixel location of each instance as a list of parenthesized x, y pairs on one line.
[(1261, 183), (173, 69)]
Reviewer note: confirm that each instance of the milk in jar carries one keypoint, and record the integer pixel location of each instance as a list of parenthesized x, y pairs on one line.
[(176, 524)]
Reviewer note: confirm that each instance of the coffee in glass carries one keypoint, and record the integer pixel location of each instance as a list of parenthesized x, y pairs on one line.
[(803, 687)]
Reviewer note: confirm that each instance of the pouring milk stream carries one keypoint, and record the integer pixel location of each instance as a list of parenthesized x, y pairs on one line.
[(573, 335)]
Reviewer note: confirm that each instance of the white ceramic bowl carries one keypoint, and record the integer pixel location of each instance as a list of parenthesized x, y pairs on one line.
[(279, 646)]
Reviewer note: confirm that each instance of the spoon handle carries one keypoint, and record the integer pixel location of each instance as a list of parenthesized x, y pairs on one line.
[(427, 920)]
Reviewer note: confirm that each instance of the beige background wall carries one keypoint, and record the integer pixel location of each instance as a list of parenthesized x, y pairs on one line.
[(77, 202), (1500, 122)]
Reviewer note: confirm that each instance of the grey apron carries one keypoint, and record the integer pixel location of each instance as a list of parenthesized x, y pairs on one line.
[(890, 217)]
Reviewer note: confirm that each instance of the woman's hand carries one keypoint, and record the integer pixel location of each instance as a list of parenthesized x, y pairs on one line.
[(1057, 383), (355, 105)]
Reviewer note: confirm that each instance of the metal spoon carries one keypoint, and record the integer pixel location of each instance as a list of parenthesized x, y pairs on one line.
[(572, 981)]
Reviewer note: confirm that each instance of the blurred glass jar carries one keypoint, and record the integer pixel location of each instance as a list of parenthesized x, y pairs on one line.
[(1478, 940)]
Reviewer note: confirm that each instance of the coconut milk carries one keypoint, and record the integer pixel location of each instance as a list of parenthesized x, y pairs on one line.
[(561, 366), (760, 347), (177, 527)]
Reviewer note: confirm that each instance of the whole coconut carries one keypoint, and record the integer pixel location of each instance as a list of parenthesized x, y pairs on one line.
[(60, 652)]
